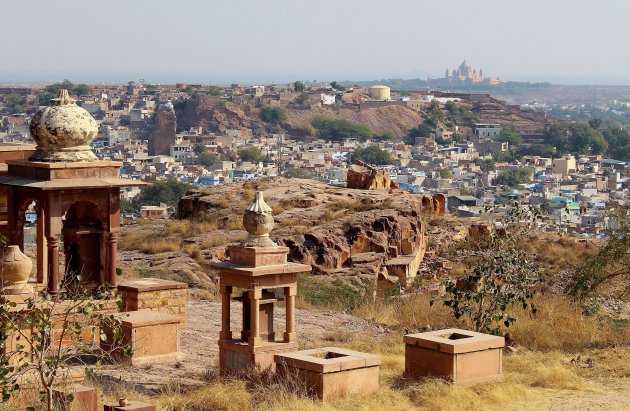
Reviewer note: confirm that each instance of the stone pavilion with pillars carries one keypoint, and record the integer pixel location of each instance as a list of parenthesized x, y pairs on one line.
[(76, 196), (257, 267)]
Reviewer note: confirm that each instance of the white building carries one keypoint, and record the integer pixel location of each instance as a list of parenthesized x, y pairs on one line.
[(180, 151), (327, 99), (486, 129)]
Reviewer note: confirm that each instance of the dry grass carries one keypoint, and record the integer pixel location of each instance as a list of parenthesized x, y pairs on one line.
[(189, 228), (531, 379), (557, 253), (558, 325), (149, 244), (330, 215), (233, 224), (291, 222), (359, 205)]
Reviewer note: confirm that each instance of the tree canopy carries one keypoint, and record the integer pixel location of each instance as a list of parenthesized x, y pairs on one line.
[(272, 115), (199, 148), (52, 90), (297, 173), (298, 86), (337, 86), (207, 159), (610, 264), (162, 191), (575, 138), (372, 155), (542, 150), (339, 130), (511, 137), (618, 143), (251, 154), (15, 103), (514, 177)]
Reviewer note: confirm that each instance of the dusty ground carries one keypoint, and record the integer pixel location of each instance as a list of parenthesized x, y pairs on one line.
[(199, 343), (608, 402)]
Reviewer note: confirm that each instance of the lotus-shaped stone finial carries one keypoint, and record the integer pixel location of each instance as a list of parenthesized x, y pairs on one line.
[(63, 131), (258, 221)]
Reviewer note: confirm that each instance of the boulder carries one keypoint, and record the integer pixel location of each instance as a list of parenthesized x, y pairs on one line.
[(363, 176)]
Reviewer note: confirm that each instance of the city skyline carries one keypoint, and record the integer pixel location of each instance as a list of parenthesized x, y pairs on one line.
[(282, 41)]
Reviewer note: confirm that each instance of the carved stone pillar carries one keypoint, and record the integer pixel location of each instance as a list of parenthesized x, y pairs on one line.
[(53, 268), (226, 333), (289, 298), (254, 317), (113, 258), (42, 252)]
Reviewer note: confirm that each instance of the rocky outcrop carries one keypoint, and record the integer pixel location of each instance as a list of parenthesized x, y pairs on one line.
[(338, 231), (363, 176), (216, 114), (164, 130), (362, 243)]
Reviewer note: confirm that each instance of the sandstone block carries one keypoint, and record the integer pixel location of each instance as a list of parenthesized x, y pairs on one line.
[(459, 356), (85, 398), (332, 372)]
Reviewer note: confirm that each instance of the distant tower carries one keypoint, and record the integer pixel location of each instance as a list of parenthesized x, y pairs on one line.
[(481, 73), (447, 74), (164, 130)]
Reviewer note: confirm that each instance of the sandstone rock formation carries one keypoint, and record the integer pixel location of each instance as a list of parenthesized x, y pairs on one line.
[(164, 130), (365, 177), (339, 231)]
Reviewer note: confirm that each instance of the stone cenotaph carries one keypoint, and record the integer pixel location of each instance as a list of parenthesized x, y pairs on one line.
[(257, 266)]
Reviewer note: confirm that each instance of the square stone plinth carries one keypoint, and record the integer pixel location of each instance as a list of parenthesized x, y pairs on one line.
[(239, 357), (155, 294), (131, 406), (153, 336), (258, 256), (460, 356), (84, 398), (332, 372)]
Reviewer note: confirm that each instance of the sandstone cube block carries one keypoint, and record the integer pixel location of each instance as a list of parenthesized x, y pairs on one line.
[(258, 256), (131, 406), (156, 294), (85, 398), (332, 372), (153, 336), (459, 356), (238, 357)]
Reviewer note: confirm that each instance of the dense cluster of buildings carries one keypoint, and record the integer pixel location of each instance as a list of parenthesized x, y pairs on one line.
[(138, 126)]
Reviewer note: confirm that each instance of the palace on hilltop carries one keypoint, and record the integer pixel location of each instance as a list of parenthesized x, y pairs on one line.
[(465, 74)]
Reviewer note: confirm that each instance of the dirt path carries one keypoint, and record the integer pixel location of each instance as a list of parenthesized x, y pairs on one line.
[(610, 402), (199, 343)]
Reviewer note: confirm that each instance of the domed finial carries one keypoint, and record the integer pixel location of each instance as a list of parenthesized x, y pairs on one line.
[(63, 99), (258, 221), (63, 131)]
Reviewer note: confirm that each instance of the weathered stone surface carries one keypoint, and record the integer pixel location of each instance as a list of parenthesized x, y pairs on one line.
[(365, 177), (63, 131), (164, 130), (258, 221), (345, 232)]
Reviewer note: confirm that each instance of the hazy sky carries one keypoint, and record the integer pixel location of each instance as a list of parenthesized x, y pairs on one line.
[(223, 41)]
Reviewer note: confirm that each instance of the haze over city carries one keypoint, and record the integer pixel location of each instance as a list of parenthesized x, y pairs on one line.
[(568, 42)]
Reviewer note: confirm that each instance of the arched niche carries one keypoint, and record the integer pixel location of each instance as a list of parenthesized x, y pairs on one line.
[(83, 233)]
